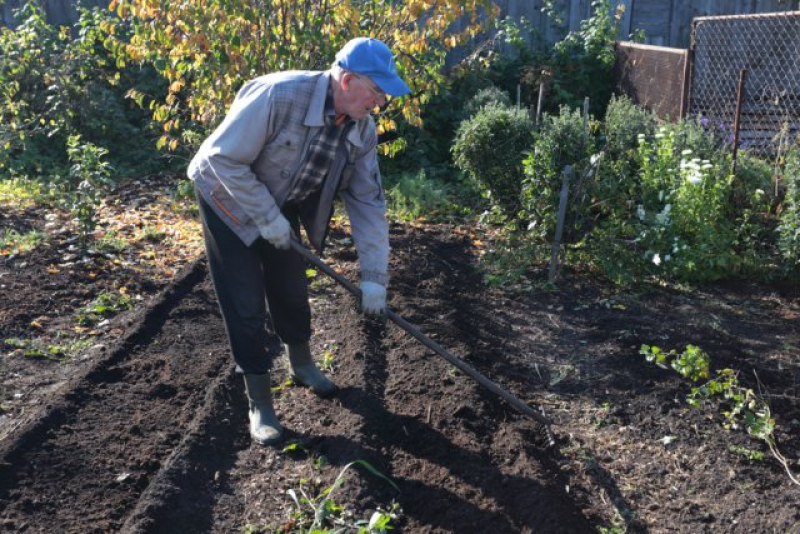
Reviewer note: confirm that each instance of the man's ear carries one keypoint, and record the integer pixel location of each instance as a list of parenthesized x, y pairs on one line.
[(347, 77)]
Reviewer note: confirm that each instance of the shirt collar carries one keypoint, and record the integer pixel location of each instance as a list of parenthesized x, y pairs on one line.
[(317, 109)]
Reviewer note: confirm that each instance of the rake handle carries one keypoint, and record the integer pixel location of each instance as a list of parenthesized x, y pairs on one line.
[(425, 340)]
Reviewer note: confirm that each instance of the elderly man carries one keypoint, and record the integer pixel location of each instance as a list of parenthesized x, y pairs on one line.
[(290, 142)]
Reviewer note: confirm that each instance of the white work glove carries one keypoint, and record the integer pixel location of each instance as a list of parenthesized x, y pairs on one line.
[(278, 232), (373, 298)]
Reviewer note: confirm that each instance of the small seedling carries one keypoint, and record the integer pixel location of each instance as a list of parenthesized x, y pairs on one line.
[(105, 305), (328, 357), (750, 454), (743, 407), (316, 510)]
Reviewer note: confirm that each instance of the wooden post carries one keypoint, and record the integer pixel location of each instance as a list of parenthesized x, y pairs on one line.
[(562, 215), (585, 120), (688, 75), (738, 119), (540, 103)]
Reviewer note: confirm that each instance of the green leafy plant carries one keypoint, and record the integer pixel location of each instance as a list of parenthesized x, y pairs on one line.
[(37, 348), (488, 96), (105, 305), (328, 357), (693, 363), (743, 407), (14, 242), (624, 122), (419, 196), (316, 511), (55, 83), (490, 147), (559, 143), (582, 63), (789, 227), (90, 174)]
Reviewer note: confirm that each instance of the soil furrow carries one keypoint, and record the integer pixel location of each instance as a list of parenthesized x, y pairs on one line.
[(101, 442)]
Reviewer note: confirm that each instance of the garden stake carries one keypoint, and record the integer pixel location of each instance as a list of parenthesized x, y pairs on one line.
[(414, 331)]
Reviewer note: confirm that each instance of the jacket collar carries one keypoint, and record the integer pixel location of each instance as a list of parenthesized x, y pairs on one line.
[(315, 116)]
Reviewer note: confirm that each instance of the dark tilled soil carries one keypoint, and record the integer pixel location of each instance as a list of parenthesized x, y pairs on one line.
[(149, 434)]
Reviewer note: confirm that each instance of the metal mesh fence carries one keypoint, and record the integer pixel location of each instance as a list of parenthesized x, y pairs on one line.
[(652, 76), (760, 54)]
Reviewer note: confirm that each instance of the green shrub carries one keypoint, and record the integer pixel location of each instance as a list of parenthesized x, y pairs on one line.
[(754, 205), (582, 63), (490, 147), (624, 123), (789, 228), (560, 143), (490, 96), (53, 85), (685, 226)]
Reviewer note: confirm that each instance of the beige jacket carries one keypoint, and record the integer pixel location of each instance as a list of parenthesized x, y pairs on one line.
[(248, 165)]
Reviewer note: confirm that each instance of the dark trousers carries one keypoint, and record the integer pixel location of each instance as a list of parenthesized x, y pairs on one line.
[(248, 282)]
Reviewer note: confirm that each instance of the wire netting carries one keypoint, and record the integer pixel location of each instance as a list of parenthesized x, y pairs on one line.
[(767, 48)]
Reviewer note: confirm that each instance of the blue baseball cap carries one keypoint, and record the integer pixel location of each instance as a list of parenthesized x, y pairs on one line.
[(372, 58)]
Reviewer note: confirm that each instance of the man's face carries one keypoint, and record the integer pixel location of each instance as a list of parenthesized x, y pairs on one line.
[(360, 96)]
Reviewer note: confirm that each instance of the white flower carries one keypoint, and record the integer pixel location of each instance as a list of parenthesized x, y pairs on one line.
[(686, 152), (594, 159), (707, 166), (760, 192), (659, 136), (695, 179), (657, 259)]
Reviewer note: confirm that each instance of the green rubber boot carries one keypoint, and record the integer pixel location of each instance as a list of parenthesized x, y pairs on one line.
[(264, 426), (304, 371)]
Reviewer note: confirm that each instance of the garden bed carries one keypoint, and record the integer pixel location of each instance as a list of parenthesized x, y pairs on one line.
[(147, 432)]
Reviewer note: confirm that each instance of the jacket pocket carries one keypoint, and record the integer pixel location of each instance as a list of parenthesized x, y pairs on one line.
[(227, 208), (284, 151), (367, 187), (347, 176)]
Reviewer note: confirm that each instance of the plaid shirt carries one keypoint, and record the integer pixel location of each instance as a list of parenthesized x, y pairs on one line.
[(321, 153)]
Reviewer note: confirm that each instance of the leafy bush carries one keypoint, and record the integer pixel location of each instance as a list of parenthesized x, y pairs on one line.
[(624, 123), (582, 63), (490, 147), (560, 143), (685, 228), (789, 228), (490, 96), (52, 86), (206, 48)]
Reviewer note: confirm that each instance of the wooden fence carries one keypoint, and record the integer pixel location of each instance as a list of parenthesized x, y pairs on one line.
[(664, 22)]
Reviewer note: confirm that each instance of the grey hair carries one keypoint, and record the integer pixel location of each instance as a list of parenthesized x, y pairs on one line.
[(338, 72)]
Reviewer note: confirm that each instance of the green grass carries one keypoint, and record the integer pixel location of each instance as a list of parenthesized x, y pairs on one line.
[(24, 193), (14, 242), (415, 196), (36, 348)]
